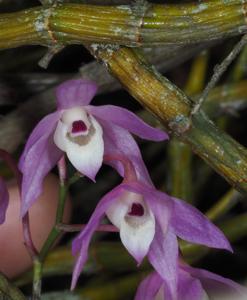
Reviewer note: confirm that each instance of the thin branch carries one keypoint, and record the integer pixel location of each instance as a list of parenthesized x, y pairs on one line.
[(51, 52), (218, 72)]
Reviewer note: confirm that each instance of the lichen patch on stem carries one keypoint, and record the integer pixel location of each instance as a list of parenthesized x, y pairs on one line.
[(42, 23)]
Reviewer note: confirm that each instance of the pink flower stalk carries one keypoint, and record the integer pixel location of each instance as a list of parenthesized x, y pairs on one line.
[(193, 284), (4, 200), (85, 133), (149, 223)]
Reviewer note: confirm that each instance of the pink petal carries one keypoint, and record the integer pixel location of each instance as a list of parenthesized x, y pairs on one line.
[(127, 120), (4, 200), (44, 127), (162, 207), (189, 288), (81, 242), (75, 93), (39, 160), (214, 283), (149, 287), (163, 255), (191, 225), (119, 141)]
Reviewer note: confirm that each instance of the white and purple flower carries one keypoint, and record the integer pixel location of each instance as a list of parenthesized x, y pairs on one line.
[(149, 223), (85, 133), (193, 284)]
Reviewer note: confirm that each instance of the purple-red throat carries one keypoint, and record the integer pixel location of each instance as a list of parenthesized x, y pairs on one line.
[(78, 126), (136, 210)]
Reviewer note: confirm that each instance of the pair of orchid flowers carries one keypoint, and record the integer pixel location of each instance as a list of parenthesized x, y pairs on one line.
[(149, 221)]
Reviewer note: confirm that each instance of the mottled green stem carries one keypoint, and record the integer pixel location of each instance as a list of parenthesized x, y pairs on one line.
[(180, 159), (179, 153), (129, 25), (173, 108), (37, 275)]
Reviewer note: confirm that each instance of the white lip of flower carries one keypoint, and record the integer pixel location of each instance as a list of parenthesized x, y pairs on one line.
[(81, 137), (135, 221), (76, 115)]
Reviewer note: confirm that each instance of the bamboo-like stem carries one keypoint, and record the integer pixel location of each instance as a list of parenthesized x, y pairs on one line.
[(129, 25), (180, 154), (180, 172), (173, 108)]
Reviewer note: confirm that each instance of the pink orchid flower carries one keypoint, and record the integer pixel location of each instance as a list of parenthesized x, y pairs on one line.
[(85, 133), (149, 223)]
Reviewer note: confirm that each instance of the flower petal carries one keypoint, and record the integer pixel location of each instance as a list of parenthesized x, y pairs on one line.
[(215, 284), (39, 160), (86, 158), (163, 255), (137, 234), (119, 141), (189, 288), (149, 287), (137, 240), (81, 242), (161, 206), (127, 120), (159, 203), (191, 225), (4, 200), (75, 92), (44, 127), (136, 231)]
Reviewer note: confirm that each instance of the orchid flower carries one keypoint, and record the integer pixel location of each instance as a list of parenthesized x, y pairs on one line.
[(4, 200), (193, 284), (85, 133), (149, 223)]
